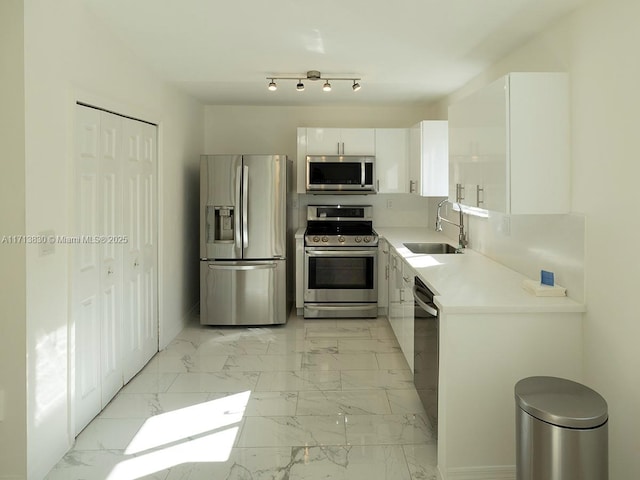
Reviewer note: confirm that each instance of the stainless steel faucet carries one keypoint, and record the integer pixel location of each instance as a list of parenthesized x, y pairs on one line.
[(462, 236)]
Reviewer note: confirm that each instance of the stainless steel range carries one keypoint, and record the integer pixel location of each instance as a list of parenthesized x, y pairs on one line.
[(341, 248)]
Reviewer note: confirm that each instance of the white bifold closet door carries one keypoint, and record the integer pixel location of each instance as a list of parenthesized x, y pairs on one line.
[(114, 293), (140, 339)]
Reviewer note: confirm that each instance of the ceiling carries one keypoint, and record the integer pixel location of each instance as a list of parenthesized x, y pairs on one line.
[(407, 52)]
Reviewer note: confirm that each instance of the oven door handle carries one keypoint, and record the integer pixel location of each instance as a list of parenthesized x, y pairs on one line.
[(340, 253)]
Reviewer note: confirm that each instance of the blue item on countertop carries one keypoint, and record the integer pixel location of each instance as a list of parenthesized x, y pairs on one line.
[(546, 278)]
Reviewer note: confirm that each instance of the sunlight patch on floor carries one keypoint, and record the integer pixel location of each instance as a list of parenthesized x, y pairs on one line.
[(199, 433)]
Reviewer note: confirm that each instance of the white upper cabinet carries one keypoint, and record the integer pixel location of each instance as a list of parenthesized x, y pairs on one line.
[(509, 145), (392, 160), (429, 159), (331, 141), (341, 141)]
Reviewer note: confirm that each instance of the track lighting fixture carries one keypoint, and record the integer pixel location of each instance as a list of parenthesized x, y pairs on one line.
[(312, 75)]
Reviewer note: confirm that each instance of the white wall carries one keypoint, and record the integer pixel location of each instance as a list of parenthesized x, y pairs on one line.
[(528, 243), (239, 129), (69, 57), (13, 439), (597, 45), (242, 129)]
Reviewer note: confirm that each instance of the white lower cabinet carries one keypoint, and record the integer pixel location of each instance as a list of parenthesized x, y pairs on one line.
[(401, 304), (299, 270), (482, 356), (407, 314), (383, 277), (395, 285)]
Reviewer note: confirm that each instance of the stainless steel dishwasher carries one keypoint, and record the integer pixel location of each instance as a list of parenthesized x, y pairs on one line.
[(425, 341)]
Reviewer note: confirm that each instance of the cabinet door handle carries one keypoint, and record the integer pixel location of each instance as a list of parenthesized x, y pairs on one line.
[(479, 190), (412, 186), (459, 192), (338, 148)]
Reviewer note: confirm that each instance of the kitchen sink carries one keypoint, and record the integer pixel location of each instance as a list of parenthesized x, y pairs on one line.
[(430, 248)]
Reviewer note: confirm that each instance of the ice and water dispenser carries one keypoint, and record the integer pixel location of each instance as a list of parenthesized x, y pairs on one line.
[(220, 224)]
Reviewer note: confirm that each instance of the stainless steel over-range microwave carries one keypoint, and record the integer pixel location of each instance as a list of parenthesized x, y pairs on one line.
[(341, 174)]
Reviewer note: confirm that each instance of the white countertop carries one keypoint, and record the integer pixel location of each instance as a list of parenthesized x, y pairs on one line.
[(470, 282), (300, 232)]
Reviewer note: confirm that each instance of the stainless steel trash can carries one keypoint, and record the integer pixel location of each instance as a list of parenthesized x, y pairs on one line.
[(561, 431)]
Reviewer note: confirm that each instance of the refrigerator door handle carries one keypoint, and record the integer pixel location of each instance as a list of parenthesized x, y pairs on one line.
[(245, 266), (237, 233), (245, 207)]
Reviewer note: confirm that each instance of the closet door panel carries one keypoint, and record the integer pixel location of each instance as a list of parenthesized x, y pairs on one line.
[(111, 253), (85, 306), (141, 320), (149, 244)]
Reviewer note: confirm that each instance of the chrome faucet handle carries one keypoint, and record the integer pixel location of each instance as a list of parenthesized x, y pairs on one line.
[(438, 216)]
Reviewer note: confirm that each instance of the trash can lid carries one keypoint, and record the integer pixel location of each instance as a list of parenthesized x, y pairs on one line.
[(561, 402)]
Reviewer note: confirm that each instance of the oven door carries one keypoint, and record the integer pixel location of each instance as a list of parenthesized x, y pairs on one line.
[(340, 275)]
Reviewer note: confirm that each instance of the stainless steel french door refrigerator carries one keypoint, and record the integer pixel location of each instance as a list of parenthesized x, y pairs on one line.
[(243, 239)]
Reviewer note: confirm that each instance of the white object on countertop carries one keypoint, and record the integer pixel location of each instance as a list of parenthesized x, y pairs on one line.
[(540, 290)]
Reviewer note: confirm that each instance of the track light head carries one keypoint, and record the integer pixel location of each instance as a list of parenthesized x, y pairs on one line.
[(312, 76)]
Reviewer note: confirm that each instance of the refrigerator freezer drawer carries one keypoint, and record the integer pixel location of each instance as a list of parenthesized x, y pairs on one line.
[(243, 292)]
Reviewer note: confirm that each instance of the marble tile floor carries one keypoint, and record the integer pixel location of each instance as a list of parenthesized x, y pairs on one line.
[(313, 399)]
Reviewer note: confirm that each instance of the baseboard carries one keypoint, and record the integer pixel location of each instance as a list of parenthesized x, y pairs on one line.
[(168, 336), (498, 472)]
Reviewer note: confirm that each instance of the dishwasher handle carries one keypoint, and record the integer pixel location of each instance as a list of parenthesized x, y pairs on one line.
[(430, 309)]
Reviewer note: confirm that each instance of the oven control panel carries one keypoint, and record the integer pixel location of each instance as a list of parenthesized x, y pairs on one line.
[(341, 240)]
